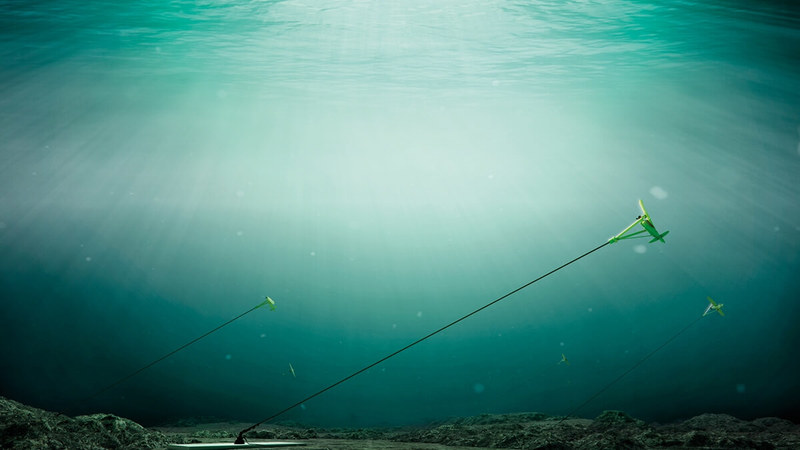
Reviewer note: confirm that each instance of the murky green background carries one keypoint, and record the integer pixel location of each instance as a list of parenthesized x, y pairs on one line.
[(380, 169)]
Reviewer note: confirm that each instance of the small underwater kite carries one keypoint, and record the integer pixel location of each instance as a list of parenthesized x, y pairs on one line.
[(714, 306), (564, 360), (291, 369), (646, 222), (268, 301)]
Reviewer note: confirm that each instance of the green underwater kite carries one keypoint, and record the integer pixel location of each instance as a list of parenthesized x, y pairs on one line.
[(269, 302), (646, 223), (714, 306)]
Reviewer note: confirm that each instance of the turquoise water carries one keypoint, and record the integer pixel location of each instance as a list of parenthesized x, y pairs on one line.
[(380, 169)]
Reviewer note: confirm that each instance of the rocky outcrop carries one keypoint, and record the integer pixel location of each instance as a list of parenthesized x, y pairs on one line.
[(611, 429), (28, 428)]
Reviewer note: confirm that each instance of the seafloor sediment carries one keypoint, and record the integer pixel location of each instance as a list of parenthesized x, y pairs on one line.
[(25, 427)]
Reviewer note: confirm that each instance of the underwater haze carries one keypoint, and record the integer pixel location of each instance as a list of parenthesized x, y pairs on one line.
[(380, 169)]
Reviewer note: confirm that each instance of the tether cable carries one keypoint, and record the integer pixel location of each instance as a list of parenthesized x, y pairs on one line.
[(641, 361), (151, 364), (240, 438)]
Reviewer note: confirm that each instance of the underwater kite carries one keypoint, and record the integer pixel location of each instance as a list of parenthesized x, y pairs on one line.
[(291, 369), (646, 222), (564, 360), (271, 303), (714, 306)]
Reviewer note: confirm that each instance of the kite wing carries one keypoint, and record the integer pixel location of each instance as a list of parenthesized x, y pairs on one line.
[(715, 306), (644, 211)]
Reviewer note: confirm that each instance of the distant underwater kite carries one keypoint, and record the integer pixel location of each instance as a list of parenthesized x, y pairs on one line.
[(714, 306), (268, 301), (564, 360)]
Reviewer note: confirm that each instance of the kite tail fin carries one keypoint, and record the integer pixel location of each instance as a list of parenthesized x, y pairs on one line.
[(660, 237)]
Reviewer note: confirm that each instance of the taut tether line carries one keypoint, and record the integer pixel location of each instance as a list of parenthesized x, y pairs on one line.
[(240, 438), (267, 301), (643, 220), (638, 363)]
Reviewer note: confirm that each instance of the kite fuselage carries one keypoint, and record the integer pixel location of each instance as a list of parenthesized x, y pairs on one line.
[(648, 225), (650, 228)]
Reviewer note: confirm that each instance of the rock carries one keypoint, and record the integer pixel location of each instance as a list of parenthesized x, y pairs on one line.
[(615, 419), (25, 427), (208, 434), (490, 419), (717, 422), (774, 424), (288, 433), (611, 429)]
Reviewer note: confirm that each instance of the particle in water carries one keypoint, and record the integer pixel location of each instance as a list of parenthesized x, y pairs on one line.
[(478, 388), (658, 192), (640, 249)]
